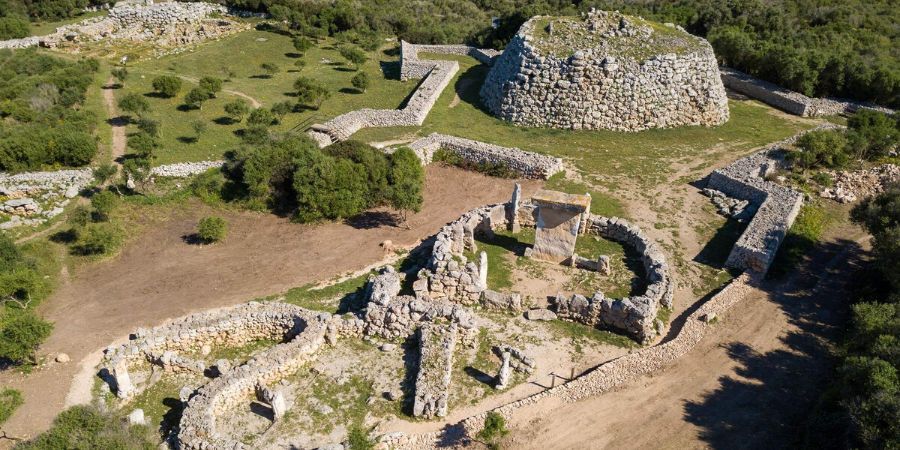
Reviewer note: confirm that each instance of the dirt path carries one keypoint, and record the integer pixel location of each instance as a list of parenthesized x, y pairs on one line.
[(119, 141), (749, 384), (159, 276)]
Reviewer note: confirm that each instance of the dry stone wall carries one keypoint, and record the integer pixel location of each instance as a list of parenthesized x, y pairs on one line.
[(168, 24), (527, 164), (411, 67), (788, 100), (437, 343), (602, 88), (776, 206), (35, 197)]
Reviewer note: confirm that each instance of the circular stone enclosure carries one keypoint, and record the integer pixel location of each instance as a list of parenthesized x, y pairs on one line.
[(605, 70)]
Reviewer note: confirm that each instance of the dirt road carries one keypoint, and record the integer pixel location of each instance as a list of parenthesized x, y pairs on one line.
[(159, 276), (119, 140), (748, 384)]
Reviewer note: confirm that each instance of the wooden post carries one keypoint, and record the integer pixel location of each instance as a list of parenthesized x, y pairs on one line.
[(552, 380)]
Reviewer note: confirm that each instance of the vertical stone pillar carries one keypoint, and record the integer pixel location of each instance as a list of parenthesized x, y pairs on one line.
[(505, 372), (279, 405), (584, 216), (124, 387), (514, 207), (482, 270)]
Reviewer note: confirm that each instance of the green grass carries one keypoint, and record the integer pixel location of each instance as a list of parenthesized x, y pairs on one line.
[(242, 54), (10, 400), (805, 233), (160, 401), (578, 333), (602, 204), (332, 298)]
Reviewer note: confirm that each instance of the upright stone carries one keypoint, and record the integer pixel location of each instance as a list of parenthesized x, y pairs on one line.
[(514, 207), (559, 220), (505, 372), (124, 387), (603, 265), (278, 404), (482, 270)]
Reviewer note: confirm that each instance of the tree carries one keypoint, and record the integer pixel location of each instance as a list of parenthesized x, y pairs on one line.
[(137, 170), (211, 229), (310, 91), (281, 109), (211, 85), (167, 85), (270, 69), (360, 81), (376, 165), (354, 55), (300, 64), (407, 178), (329, 188), (301, 44), (98, 239), (134, 104), (120, 74), (880, 215), (13, 28), (873, 134), (261, 117), (237, 109), (149, 126), (21, 335), (104, 202), (199, 127), (195, 97)]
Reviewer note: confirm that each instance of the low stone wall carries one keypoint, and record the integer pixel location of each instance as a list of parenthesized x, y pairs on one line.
[(527, 164), (411, 67), (183, 170), (35, 197), (788, 100), (776, 206), (166, 24), (436, 345), (635, 315)]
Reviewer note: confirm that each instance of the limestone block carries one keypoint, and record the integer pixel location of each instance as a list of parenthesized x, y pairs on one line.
[(558, 223)]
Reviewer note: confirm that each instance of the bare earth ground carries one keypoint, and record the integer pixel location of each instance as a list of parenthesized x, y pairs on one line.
[(749, 384), (118, 127), (159, 276)]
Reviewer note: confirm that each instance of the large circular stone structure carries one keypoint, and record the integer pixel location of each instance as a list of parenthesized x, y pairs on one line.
[(605, 70)]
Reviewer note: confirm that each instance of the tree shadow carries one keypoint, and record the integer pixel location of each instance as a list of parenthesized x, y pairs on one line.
[(293, 55), (186, 108), (187, 139), (172, 417), (373, 219), (224, 120), (411, 370), (767, 402), (154, 94), (260, 77), (192, 239), (119, 121), (65, 236), (350, 91), (344, 69)]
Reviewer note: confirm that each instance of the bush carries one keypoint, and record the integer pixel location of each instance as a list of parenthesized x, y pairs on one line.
[(311, 92), (13, 28), (134, 104), (21, 335), (329, 188), (167, 85), (98, 239), (824, 148), (407, 180), (86, 427), (142, 144), (195, 97), (872, 134), (358, 439), (211, 229), (494, 429), (261, 117), (104, 203), (376, 165), (211, 85), (237, 109), (354, 55), (360, 81), (10, 399)]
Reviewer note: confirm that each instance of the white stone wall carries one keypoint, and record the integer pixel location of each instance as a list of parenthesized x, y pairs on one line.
[(527, 164), (591, 90)]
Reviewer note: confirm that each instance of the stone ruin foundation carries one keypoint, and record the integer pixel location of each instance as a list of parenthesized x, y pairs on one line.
[(560, 219)]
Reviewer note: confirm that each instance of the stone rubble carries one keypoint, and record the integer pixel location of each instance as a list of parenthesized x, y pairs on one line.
[(740, 210), (437, 343), (597, 86), (35, 197), (850, 186)]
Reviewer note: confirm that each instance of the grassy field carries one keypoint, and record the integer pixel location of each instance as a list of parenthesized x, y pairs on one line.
[(42, 28), (237, 59)]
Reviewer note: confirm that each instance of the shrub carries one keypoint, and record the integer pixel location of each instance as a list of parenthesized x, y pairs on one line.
[(270, 69), (281, 109), (823, 179), (407, 179), (824, 148), (261, 117), (21, 335), (211, 85), (329, 188), (104, 203), (10, 399), (211, 229), (149, 126), (354, 55), (142, 144), (120, 74), (134, 104), (360, 81), (376, 164), (494, 429), (167, 85), (872, 134), (497, 169), (237, 109), (98, 239), (358, 439), (13, 28), (301, 43), (310, 91), (86, 427)]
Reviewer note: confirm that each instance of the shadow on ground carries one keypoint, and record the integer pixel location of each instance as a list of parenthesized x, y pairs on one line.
[(768, 403)]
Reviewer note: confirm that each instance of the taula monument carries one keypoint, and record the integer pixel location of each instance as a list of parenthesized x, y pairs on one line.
[(605, 70)]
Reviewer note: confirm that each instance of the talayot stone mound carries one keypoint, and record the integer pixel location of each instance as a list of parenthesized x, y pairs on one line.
[(605, 70)]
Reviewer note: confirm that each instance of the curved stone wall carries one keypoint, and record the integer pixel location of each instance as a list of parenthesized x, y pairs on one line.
[(593, 89)]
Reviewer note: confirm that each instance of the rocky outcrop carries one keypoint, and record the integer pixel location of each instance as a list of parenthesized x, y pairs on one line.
[(605, 71), (35, 197), (526, 164), (850, 186)]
